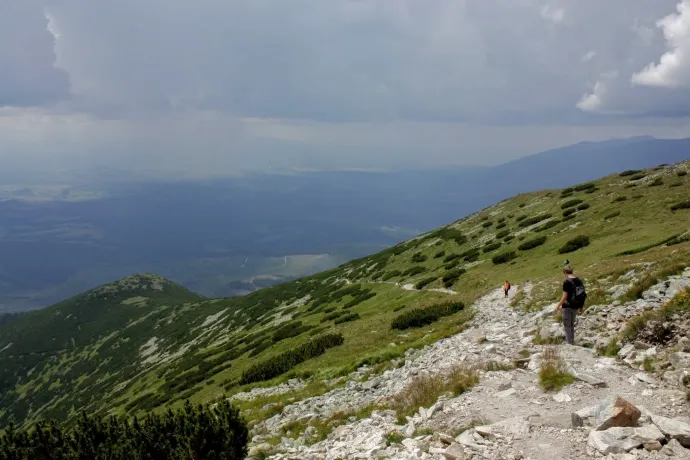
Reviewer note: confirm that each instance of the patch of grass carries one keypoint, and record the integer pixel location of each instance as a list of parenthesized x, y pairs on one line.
[(648, 365), (656, 182), (675, 239), (450, 277), (646, 282), (424, 390), (612, 348), (573, 245), (681, 173), (620, 199), (391, 274), (504, 257), (680, 304), (552, 373), (394, 438), (612, 215), (495, 366), (533, 243), (415, 270)]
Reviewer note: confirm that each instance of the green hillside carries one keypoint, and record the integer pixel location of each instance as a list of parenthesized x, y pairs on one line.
[(143, 342)]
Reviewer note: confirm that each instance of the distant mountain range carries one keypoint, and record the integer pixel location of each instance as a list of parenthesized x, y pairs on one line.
[(224, 237)]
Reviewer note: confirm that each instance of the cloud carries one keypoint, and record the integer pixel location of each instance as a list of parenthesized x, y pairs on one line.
[(243, 83), (673, 69)]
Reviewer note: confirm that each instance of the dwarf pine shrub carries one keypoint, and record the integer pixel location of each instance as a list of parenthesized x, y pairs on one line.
[(576, 243)]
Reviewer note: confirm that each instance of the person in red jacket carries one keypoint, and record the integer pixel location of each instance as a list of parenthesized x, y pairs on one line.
[(506, 287)]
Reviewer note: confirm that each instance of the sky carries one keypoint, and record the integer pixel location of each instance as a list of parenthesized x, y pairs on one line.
[(217, 85)]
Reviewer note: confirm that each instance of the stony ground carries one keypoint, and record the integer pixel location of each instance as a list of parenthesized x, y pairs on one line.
[(511, 414)]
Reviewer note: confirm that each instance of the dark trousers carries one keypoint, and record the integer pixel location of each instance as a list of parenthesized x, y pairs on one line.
[(569, 315)]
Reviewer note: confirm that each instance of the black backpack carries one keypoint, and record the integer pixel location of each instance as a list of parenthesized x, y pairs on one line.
[(579, 296)]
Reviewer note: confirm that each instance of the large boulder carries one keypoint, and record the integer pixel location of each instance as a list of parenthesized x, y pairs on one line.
[(674, 429), (616, 412)]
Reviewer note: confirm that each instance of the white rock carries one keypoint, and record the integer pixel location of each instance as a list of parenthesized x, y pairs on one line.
[(613, 441), (674, 429), (506, 393), (561, 397)]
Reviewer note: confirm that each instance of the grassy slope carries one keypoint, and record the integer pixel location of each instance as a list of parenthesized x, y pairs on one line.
[(143, 355)]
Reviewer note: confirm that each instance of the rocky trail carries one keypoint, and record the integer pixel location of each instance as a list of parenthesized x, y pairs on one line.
[(613, 409)]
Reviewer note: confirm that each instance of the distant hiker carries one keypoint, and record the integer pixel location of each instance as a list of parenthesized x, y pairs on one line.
[(506, 287), (572, 301)]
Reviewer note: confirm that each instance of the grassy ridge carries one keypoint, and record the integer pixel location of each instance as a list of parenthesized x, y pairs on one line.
[(136, 350)]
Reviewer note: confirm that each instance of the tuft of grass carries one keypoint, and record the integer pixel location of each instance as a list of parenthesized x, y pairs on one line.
[(495, 366), (423, 391), (677, 305), (648, 365), (394, 438), (552, 373)]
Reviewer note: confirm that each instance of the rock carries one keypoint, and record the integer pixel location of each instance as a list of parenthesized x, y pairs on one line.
[(679, 360), (652, 446), (674, 449), (409, 429), (673, 429), (584, 416), (517, 427), (445, 438), (506, 393), (616, 413), (590, 379), (561, 397), (642, 377), (614, 441), (647, 434), (627, 349), (454, 452)]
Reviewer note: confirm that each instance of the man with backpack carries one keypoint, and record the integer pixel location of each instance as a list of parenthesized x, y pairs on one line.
[(572, 301)]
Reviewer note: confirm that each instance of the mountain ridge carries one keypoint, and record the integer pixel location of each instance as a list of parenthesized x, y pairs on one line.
[(135, 359)]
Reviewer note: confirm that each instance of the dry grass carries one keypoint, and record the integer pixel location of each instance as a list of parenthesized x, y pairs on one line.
[(646, 282), (679, 304), (423, 391), (552, 373)]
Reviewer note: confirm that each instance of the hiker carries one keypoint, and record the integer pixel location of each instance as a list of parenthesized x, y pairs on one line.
[(572, 301), (506, 287)]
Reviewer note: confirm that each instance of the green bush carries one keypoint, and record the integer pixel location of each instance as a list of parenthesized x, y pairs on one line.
[(391, 274), (292, 329), (570, 203), (629, 172), (656, 182), (618, 199), (570, 211), (450, 234), (638, 176), (418, 258), (451, 265), (549, 224), (591, 190), (450, 277), (439, 254), (583, 206), (612, 215), (282, 363), (347, 318), (681, 205), (452, 257), (399, 307), (504, 257), (585, 187), (487, 224), (492, 246), (199, 432), (533, 243), (332, 316), (500, 225), (415, 270), (534, 220), (521, 218), (502, 234), (421, 284), (420, 317), (509, 238), (670, 241), (576, 243), (359, 298), (682, 173)]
